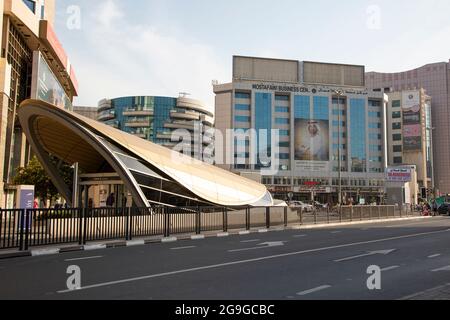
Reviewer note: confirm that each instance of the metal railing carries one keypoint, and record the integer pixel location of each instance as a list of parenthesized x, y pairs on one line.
[(21, 229)]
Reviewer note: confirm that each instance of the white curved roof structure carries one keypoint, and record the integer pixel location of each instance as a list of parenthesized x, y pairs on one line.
[(141, 164)]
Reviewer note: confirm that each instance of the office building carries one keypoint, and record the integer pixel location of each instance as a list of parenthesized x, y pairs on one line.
[(332, 133), (435, 79), (156, 118), (409, 127), (33, 64)]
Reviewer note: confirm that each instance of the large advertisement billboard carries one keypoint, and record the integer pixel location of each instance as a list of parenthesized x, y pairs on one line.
[(312, 140), (412, 129), (46, 86)]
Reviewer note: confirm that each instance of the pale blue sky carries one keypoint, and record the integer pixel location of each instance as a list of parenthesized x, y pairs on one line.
[(162, 47)]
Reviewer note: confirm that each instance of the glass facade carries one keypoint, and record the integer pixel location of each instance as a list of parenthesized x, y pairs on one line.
[(358, 135), (302, 107), (263, 123)]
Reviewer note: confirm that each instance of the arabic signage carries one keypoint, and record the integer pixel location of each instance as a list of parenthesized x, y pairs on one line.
[(398, 174), (303, 89)]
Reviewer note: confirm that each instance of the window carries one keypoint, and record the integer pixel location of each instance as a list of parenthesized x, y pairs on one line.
[(285, 144), (242, 95), (396, 114), (342, 101), (397, 148), (30, 4), (374, 114), (375, 125), (282, 109), (242, 107), (374, 103), (281, 121), (336, 112), (374, 136), (281, 98), (284, 133), (336, 123), (396, 125), (374, 148), (398, 160), (284, 156), (242, 119), (396, 104), (336, 135), (397, 137)]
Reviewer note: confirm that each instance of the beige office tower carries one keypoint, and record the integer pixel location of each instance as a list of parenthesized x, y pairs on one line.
[(33, 64), (409, 136), (435, 79)]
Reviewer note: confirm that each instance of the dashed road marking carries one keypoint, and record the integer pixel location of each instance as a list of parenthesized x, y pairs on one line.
[(306, 292), (85, 258), (183, 248)]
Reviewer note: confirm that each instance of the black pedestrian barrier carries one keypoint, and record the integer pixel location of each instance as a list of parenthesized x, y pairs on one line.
[(22, 229)]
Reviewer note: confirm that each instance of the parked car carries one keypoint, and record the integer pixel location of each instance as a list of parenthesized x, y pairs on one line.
[(444, 209), (301, 205)]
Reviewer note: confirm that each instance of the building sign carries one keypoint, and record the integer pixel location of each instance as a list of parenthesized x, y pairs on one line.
[(399, 175), (45, 85), (303, 89), (412, 128)]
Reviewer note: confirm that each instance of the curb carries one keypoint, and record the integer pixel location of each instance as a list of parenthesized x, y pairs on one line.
[(141, 242)]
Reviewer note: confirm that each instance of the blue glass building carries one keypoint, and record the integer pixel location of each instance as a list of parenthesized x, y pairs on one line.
[(155, 118)]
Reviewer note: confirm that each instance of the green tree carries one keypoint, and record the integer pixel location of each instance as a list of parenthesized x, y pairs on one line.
[(34, 174)]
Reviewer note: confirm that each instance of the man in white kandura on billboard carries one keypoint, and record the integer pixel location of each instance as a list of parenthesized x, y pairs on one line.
[(314, 145)]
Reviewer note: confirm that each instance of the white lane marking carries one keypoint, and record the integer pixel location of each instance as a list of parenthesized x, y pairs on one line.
[(263, 230), (371, 253), (44, 252), (242, 233), (434, 256), (334, 232), (424, 292), (248, 241), (198, 237), (182, 248), (264, 245), (215, 266), (306, 292), (417, 222), (299, 236), (86, 258), (390, 268), (446, 268)]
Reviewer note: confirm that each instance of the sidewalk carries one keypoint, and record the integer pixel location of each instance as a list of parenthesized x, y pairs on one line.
[(64, 248)]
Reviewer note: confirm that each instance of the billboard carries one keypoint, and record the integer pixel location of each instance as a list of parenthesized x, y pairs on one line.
[(312, 140), (45, 85), (398, 174), (412, 128)]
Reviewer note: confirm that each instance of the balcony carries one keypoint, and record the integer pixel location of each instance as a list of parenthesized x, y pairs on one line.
[(133, 112), (105, 116), (137, 124), (186, 115)]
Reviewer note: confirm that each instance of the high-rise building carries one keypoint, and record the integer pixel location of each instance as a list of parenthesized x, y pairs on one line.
[(156, 118), (33, 64), (332, 134), (435, 79), (409, 127)]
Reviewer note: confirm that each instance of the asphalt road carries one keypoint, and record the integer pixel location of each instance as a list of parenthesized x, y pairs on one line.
[(330, 263)]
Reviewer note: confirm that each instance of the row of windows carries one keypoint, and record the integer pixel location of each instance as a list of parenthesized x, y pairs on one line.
[(397, 137), (397, 148), (374, 103), (374, 148), (242, 107), (242, 119), (374, 125), (374, 136), (282, 109), (396, 104), (282, 121), (336, 123), (374, 114), (396, 125), (246, 95), (396, 115)]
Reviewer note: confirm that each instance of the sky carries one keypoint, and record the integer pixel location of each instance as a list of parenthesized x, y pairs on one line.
[(164, 47)]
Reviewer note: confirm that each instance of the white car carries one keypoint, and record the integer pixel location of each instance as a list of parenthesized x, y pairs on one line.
[(304, 206)]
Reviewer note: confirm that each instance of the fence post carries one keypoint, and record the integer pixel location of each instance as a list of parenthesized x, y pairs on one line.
[(285, 216), (247, 218), (198, 221), (129, 233), (225, 219), (328, 214), (315, 215), (21, 226), (85, 212), (80, 226), (301, 216), (340, 213), (28, 226), (166, 222), (268, 217)]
